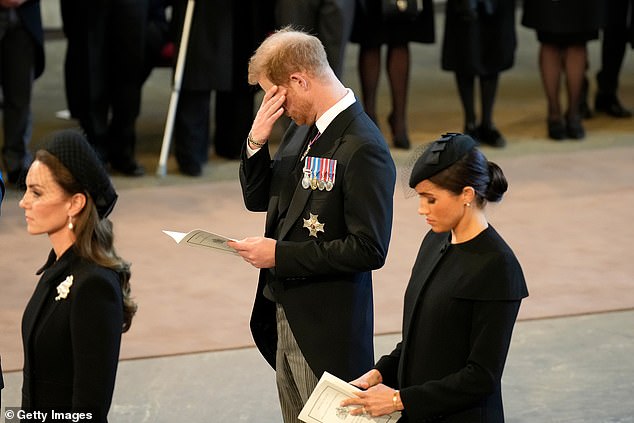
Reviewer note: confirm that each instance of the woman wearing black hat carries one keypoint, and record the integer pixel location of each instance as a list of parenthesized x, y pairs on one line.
[(461, 302), (72, 325)]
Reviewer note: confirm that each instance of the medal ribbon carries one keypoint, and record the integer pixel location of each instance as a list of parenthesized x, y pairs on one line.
[(310, 144)]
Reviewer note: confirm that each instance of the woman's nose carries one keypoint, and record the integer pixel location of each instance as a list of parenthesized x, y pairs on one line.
[(423, 210), (22, 202)]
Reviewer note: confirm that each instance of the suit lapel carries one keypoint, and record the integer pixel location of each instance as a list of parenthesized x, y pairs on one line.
[(325, 146), (287, 161)]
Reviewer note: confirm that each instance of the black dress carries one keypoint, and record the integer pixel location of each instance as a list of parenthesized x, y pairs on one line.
[(370, 29), (564, 22), (459, 311), (479, 36)]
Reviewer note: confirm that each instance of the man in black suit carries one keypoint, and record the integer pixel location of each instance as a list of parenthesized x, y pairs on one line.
[(223, 35), (103, 73), (328, 197), (22, 58)]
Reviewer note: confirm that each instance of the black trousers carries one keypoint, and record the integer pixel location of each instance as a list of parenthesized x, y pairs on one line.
[(191, 129), (17, 62), (103, 70), (615, 38)]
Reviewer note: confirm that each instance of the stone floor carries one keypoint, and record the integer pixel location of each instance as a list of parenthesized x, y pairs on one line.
[(563, 370)]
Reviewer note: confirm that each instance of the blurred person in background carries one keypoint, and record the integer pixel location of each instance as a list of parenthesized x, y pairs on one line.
[(372, 30), (103, 72), (479, 43), (563, 30), (617, 33), (329, 20), (21, 62), (223, 35)]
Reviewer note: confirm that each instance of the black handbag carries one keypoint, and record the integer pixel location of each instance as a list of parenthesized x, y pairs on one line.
[(401, 10)]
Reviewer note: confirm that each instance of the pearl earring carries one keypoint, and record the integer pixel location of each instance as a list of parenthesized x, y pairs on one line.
[(467, 204), (70, 223)]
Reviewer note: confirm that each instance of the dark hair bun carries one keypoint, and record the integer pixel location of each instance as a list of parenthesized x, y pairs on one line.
[(497, 184)]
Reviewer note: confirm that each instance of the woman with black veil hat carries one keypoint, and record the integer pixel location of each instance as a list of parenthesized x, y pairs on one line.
[(461, 303), (72, 325)]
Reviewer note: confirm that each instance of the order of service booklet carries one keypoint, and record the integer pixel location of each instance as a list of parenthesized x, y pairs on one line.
[(204, 239), (323, 404)]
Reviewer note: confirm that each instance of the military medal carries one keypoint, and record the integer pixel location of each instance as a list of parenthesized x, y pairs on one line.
[(319, 173), (330, 179), (321, 183), (306, 179), (314, 225)]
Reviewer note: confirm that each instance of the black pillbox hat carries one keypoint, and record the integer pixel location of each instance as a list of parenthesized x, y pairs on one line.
[(439, 155), (73, 150)]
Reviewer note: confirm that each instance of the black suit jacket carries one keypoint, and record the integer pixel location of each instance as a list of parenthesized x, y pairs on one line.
[(459, 311), (324, 283), (71, 346)]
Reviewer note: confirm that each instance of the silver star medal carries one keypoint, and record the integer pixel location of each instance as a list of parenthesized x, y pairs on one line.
[(313, 225)]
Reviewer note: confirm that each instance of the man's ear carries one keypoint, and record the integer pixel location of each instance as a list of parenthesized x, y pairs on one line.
[(300, 79)]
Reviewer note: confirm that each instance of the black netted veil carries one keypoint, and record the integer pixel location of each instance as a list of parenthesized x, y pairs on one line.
[(77, 155)]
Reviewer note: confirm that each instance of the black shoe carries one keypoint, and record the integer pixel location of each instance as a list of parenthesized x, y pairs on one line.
[(556, 129), (190, 170), (610, 104), (128, 168), (402, 142), (489, 134), (473, 131), (574, 129)]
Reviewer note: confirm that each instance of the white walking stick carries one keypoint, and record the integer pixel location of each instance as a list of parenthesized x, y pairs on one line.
[(178, 79)]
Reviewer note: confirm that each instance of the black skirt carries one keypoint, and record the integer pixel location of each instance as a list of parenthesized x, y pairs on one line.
[(564, 16), (565, 40), (479, 41), (370, 29)]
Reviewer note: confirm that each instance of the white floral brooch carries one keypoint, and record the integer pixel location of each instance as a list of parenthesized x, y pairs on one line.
[(64, 288)]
